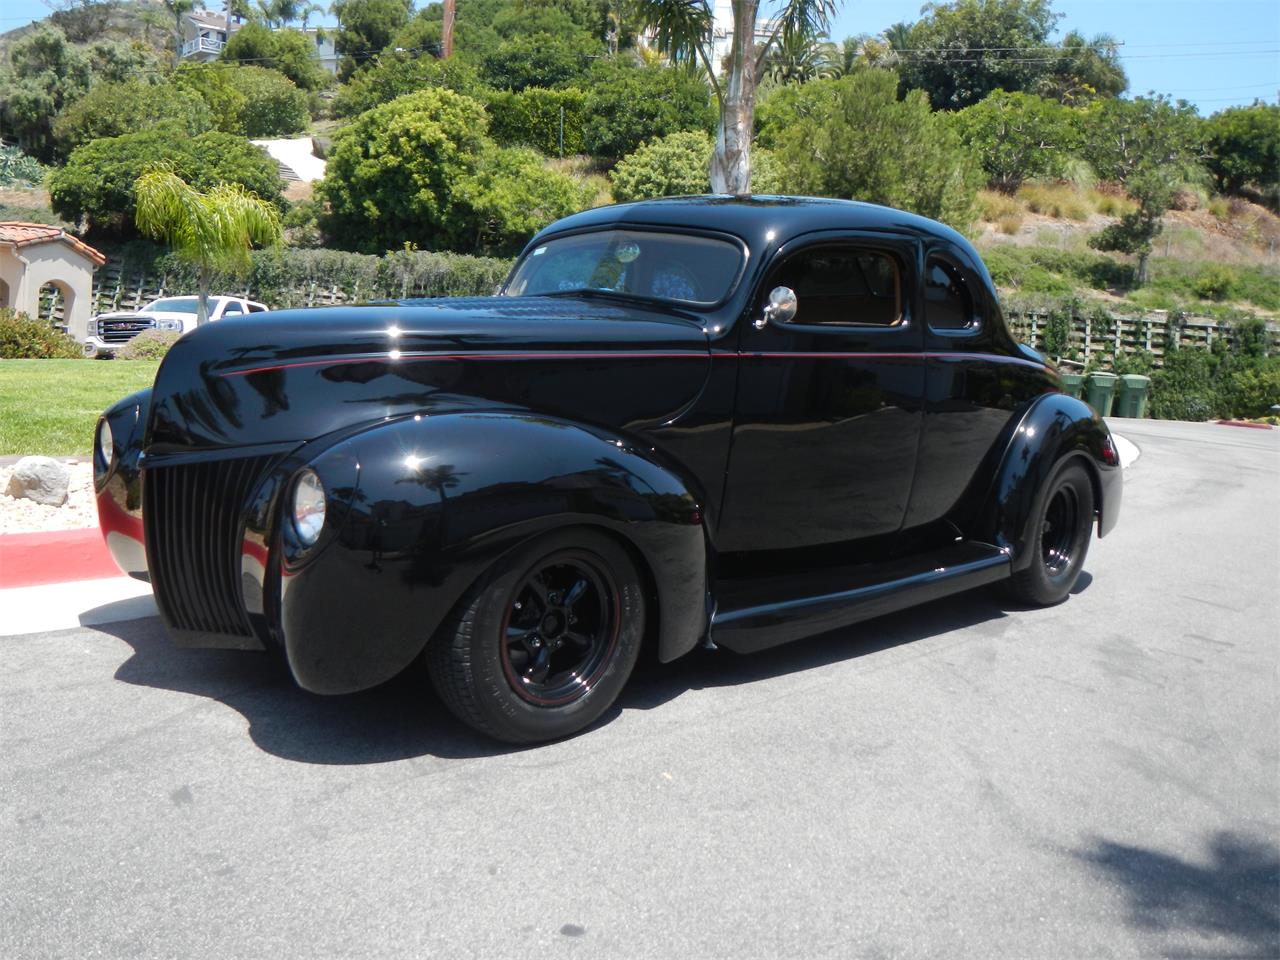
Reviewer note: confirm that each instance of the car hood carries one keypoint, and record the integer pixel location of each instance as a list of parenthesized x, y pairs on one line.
[(300, 374), (141, 315)]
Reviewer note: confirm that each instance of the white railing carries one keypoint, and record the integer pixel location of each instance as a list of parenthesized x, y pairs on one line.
[(202, 45)]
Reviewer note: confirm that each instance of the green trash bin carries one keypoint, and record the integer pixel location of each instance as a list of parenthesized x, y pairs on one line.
[(1132, 401), (1102, 390), (1073, 385)]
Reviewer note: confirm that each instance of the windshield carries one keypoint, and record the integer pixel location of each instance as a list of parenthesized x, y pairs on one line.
[(173, 305), (638, 263)]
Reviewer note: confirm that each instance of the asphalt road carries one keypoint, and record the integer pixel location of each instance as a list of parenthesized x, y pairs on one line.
[(1101, 779)]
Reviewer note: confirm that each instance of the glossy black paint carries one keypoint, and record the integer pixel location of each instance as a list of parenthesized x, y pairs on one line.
[(769, 482)]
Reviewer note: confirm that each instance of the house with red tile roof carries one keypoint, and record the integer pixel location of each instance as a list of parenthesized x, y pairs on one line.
[(34, 256)]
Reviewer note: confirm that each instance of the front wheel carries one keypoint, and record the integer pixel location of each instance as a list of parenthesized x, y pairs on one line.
[(542, 645), (1062, 526)]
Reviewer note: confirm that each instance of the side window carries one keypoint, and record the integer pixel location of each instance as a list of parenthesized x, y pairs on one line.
[(232, 308), (948, 302), (843, 285), (254, 308)]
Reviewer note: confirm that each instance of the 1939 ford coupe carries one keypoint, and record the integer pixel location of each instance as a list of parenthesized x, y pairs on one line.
[(734, 422)]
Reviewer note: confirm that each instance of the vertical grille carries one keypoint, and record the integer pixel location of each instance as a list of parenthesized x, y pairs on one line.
[(192, 519)]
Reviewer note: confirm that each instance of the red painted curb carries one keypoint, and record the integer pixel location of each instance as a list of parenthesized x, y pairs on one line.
[(31, 559), (1245, 423)]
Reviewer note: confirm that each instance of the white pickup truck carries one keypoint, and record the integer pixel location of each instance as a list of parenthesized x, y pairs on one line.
[(108, 332)]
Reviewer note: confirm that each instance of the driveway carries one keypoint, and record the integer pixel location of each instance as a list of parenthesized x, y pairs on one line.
[(1100, 779)]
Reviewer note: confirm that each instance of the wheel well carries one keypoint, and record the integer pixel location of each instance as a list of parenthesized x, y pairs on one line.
[(1095, 481)]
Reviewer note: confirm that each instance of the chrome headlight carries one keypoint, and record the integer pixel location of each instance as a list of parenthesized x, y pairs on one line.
[(166, 324), (308, 507), (104, 447)]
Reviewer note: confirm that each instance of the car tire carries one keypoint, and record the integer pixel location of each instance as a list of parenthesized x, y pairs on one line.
[(1061, 526), (543, 644)]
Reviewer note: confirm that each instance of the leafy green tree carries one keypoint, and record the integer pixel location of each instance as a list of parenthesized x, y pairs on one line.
[(112, 109), (83, 20), (392, 173), (178, 9), (541, 60), (1019, 136), (395, 74), (250, 101), (853, 138), (669, 166), (287, 51), (627, 105), (212, 230), (364, 28), (960, 52), (1129, 137), (97, 184), (1081, 70), (683, 32), (512, 196), (44, 74), (1244, 150), (1152, 146)]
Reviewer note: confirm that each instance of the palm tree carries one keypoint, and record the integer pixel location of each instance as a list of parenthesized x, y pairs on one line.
[(683, 29), (211, 231), (306, 11), (800, 59)]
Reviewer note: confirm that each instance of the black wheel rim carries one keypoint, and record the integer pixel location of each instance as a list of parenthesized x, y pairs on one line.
[(560, 629), (1058, 530)]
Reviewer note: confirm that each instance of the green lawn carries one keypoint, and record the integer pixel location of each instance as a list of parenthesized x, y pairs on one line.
[(50, 406)]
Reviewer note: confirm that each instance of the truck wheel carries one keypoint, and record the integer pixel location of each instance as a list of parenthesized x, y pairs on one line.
[(542, 645), (1062, 525)]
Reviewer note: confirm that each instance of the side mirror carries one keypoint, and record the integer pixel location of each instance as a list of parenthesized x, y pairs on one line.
[(781, 308)]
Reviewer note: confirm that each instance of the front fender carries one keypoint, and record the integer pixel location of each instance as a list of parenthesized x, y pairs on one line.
[(1056, 426), (437, 500)]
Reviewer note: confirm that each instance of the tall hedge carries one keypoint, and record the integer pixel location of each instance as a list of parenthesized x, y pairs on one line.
[(531, 118)]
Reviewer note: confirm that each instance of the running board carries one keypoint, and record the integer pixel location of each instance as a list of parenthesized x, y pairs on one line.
[(881, 589)]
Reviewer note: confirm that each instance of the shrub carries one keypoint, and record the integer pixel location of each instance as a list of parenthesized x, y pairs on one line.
[(512, 196), (22, 338), (16, 167), (287, 51), (627, 105), (392, 173), (1215, 282), (676, 164), (113, 109), (96, 185), (149, 345), (249, 101), (531, 118), (854, 138), (541, 60), (1018, 137), (1255, 389), (1184, 388), (396, 74), (1244, 149)]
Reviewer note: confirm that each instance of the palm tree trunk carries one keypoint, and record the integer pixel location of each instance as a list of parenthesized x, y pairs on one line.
[(202, 301), (731, 162)]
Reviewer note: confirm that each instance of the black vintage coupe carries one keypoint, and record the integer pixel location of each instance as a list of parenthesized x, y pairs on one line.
[(734, 422)]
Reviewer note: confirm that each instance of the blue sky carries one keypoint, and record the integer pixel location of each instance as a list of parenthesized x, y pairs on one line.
[(1215, 53)]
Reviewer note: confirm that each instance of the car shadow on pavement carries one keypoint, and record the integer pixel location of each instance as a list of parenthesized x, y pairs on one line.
[(1234, 895), (403, 718)]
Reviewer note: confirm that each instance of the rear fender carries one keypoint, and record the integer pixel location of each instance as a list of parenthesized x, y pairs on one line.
[(428, 503), (1055, 427)]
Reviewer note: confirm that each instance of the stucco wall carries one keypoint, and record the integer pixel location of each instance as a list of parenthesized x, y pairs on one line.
[(56, 263)]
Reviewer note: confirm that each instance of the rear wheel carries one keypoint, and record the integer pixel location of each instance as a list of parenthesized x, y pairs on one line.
[(544, 643), (1062, 526)]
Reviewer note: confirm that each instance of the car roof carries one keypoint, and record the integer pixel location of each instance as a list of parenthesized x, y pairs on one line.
[(760, 221)]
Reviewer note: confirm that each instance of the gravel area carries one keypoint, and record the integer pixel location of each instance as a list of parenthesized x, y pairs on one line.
[(26, 516)]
